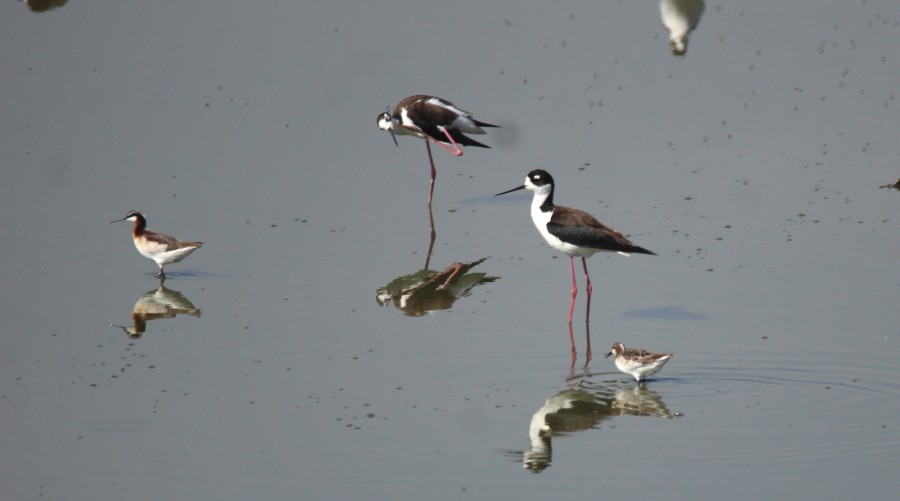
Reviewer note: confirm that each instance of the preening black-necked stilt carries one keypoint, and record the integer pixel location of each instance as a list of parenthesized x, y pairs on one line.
[(433, 119), (159, 247), (637, 362), (571, 231)]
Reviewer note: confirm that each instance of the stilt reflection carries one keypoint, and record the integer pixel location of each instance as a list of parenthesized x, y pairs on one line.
[(588, 355), (894, 184), (427, 290)]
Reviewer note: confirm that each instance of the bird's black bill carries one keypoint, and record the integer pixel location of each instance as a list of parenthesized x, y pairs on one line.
[(394, 137), (117, 220), (510, 191), (608, 355)]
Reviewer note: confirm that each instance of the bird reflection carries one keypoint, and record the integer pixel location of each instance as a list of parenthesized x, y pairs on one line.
[(587, 350), (427, 290), (44, 5), (640, 401), (157, 303), (568, 411), (680, 17), (583, 405), (895, 184)]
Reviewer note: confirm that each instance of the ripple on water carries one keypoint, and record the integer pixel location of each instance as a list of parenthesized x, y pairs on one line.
[(793, 409)]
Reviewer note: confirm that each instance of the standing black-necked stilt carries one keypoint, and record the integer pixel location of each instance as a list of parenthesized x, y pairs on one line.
[(159, 247), (433, 119), (571, 231), (637, 362)]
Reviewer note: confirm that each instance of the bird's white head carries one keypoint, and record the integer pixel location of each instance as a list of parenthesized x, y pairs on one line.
[(386, 122), (539, 182)]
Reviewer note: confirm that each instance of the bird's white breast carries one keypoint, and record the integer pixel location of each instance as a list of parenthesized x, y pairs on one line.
[(541, 219)]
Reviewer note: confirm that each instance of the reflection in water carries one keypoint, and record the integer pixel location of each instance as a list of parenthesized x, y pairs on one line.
[(587, 350), (44, 5), (426, 290), (157, 303), (895, 185), (640, 401), (568, 411), (680, 17), (583, 408)]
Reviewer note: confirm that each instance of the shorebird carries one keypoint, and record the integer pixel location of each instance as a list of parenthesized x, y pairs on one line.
[(637, 362), (680, 17), (571, 231), (433, 119), (159, 247)]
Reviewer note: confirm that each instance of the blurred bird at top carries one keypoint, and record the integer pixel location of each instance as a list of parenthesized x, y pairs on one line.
[(433, 119), (680, 17)]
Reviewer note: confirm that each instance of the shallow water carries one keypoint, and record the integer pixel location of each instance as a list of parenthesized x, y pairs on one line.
[(307, 349)]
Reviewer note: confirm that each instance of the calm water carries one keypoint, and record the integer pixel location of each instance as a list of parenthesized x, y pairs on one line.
[(306, 351)]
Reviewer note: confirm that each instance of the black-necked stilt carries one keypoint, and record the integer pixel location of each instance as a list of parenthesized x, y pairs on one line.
[(571, 231), (433, 119), (159, 247), (637, 362)]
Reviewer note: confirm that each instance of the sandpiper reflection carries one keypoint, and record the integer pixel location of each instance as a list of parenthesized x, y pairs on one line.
[(680, 17), (154, 304), (638, 400), (428, 290)]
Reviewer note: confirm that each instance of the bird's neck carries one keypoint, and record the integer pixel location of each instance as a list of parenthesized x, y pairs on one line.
[(543, 200), (140, 225)]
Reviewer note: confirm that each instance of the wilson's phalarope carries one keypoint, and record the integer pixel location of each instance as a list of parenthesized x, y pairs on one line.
[(161, 248), (637, 362)]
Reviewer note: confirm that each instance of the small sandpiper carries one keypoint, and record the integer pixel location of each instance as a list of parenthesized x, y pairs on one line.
[(638, 362), (433, 119), (159, 247)]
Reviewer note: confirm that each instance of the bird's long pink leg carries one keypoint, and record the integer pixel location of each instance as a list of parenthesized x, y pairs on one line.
[(456, 150), (589, 288), (433, 172), (587, 335), (574, 351), (574, 287)]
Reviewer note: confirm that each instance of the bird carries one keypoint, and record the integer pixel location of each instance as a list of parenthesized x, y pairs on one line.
[(571, 231), (638, 362), (680, 17), (159, 247), (433, 119)]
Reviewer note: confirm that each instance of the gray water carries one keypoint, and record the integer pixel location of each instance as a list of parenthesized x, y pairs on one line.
[(306, 352)]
